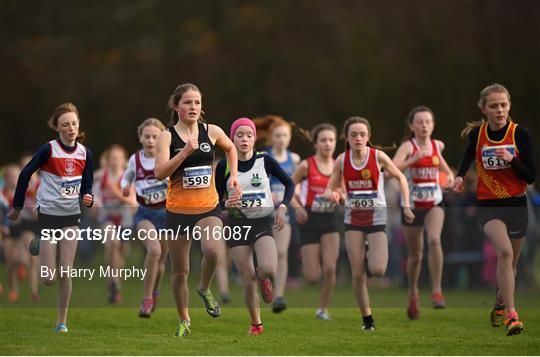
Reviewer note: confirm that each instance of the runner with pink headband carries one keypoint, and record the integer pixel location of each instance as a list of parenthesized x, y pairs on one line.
[(252, 217)]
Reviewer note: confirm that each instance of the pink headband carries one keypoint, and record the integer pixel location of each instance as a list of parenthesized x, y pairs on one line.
[(240, 122)]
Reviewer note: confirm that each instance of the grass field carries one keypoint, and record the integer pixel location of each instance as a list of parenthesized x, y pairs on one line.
[(96, 329)]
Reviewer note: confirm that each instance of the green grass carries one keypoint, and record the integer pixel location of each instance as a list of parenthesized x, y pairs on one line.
[(462, 330)]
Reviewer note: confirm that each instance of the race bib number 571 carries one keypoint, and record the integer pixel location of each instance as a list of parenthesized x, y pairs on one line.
[(70, 188)]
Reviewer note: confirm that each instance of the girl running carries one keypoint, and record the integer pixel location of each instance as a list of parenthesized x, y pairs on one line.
[(151, 196), (115, 211), (360, 168), (421, 158), (66, 176), (254, 210), (11, 244), (317, 216), (185, 154), (503, 153), (277, 132), (28, 229)]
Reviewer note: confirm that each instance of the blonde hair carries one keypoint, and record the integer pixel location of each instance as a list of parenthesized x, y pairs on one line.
[(492, 88), (113, 147), (150, 122)]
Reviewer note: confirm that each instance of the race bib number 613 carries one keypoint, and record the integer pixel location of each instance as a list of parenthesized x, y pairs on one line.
[(490, 160)]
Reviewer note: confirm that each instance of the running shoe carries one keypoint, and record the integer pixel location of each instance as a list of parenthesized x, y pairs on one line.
[(438, 301), (183, 329), (368, 326), (35, 297), (413, 310), (22, 273), (13, 295), (279, 305), (61, 328), (255, 330), (212, 307), (34, 246), (266, 287), (114, 293), (267, 290), (146, 308), (497, 316), (513, 327), (155, 298), (323, 315)]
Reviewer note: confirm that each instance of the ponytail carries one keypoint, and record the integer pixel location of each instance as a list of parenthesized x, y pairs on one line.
[(407, 133), (492, 88), (175, 97)]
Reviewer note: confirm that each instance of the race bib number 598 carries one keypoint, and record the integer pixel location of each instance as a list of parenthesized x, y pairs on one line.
[(197, 177)]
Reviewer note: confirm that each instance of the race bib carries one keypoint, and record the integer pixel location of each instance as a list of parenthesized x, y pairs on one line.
[(490, 160), (424, 192), (155, 194), (70, 188), (362, 199), (254, 199), (322, 205), (197, 177)]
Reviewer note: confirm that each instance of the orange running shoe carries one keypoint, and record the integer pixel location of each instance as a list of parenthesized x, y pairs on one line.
[(513, 327), (267, 290), (22, 273), (497, 316), (255, 330), (438, 301), (266, 287), (13, 295)]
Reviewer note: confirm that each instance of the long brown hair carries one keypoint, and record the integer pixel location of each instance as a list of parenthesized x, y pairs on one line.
[(62, 109), (407, 132), (175, 97), (355, 120), (492, 88), (266, 124)]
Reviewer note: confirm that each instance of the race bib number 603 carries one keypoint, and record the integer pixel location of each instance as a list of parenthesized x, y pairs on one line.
[(362, 199)]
